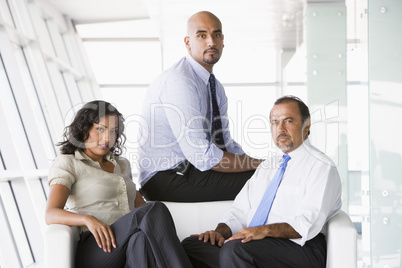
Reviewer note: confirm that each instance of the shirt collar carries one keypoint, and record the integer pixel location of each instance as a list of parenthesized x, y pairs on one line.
[(301, 149), (198, 69), (80, 155)]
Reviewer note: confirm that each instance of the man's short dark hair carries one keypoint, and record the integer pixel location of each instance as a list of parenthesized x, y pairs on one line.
[(304, 111)]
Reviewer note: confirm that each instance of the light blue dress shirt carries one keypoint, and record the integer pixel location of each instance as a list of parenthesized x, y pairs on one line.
[(176, 124)]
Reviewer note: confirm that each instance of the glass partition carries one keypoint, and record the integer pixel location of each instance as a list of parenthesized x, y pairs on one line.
[(385, 100)]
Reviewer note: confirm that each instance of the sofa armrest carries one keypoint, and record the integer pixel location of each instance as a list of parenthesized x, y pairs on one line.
[(341, 242), (60, 245), (61, 240)]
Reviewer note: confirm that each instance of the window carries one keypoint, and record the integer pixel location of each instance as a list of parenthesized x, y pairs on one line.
[(42, 75)]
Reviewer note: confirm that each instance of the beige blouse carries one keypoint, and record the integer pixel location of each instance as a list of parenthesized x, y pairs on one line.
[(106, 196)]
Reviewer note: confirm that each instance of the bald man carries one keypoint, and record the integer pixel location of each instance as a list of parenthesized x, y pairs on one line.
[(186, 151)]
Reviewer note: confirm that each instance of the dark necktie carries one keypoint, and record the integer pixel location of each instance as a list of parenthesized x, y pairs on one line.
[(261, 215), (216, 130)]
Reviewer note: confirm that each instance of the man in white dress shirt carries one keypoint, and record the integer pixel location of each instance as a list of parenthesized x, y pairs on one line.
[(307, 197)]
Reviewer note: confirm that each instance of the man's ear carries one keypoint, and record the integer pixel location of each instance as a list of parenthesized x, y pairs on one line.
[(187, 43), (306, 129)]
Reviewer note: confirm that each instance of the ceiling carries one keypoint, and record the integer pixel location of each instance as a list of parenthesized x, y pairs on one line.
[(92, 11), (264, 22)]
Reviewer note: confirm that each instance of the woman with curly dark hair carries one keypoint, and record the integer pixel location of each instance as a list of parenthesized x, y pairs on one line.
[(77, 132), (91, 186)]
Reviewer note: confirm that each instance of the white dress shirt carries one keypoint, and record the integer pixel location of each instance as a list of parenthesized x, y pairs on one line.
[(177, 113), (106, 196), (308, 196)]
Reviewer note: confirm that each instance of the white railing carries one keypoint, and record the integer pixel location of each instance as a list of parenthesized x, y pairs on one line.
[(33, 174)]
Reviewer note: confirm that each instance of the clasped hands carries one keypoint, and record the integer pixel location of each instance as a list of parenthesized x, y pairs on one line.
[(245, 234)]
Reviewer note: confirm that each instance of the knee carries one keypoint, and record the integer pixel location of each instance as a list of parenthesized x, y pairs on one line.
[(136, 239), (228, 249), (157, 206), (154, 207), (231, 252), (189, 242), (160, 205), (158, 210)]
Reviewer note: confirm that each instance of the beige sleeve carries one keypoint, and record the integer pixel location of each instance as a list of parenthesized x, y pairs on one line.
[(62, 171)]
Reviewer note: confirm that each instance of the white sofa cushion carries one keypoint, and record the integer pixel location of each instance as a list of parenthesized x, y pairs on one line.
[(195, 218)]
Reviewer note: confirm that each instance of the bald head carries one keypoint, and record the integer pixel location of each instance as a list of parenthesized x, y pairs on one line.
[(201, 17), (204, 40)]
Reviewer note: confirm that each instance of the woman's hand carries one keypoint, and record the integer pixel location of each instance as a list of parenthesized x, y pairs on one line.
[(55, 213), (102, 232)]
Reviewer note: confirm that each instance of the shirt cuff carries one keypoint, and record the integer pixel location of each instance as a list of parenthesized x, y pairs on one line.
[(61, 181), (235, 148), (302, 228)]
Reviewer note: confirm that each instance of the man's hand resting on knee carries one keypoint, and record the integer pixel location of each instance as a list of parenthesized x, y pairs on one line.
[(278, 230), (217, 237), (212, 236)]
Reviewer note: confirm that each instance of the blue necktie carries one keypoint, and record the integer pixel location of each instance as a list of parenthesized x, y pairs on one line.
[(261, 215), (216, 130)]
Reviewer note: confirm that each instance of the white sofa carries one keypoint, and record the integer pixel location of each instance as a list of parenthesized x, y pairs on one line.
[(190, 218)]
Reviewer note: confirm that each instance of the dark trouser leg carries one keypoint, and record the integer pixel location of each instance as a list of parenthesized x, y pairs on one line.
[(194, 185), (155, 222), (201, 254), (273, 252), (139, 252)]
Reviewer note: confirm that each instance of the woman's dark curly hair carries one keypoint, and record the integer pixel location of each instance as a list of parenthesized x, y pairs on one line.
[(77, 132)]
